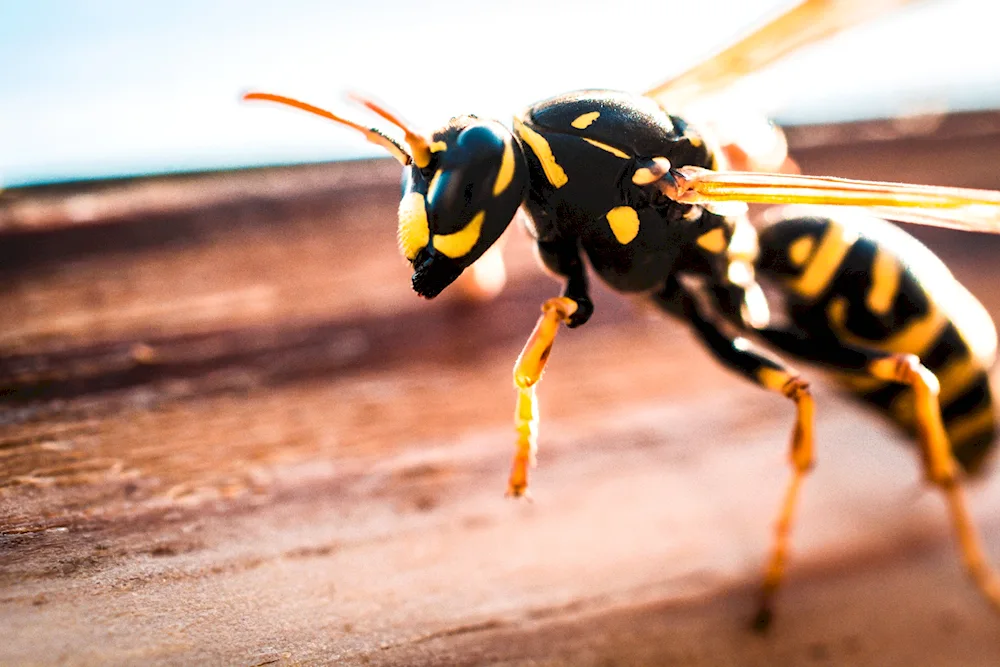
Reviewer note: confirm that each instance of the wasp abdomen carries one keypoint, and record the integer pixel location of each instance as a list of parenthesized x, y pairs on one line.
[(857, 282)]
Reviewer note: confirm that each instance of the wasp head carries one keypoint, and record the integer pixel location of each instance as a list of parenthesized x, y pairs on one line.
[(459, 203), (461, 188)]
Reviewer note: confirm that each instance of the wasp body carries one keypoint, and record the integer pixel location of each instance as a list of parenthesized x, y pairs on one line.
[(615, 181)]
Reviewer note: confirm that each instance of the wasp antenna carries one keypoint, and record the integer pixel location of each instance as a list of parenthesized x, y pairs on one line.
[(371, 134), (417, 143)]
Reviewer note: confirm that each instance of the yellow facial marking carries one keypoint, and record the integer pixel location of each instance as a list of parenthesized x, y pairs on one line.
[(439, 147), (604, 147), (714, 241), (624, 223), (506, 173), (801, 249), (432, 186), (885, 282), (834, 246), (540, 147), (694, 140), (461, 242), (583, 121), (413, 232)]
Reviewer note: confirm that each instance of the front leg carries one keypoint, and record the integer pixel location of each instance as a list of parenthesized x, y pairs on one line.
[(771, 373), (573, 308), (562, 258), (527, 372)]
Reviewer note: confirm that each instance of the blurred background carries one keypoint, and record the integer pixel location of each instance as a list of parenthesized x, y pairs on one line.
[(231, 434), (113, 88)]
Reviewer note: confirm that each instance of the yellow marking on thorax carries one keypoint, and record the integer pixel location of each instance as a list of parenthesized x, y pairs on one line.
[(714, 241), (604, 147), (647, 175), (583, 121), (438, 147), (506, 173), (413, 231), (885, 275), (801, 249), (624, 223), (540, 147), (461, 242), (432, 186), (834, 246), (644, 176)]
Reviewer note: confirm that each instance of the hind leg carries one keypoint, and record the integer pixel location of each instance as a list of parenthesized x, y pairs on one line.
[(771, 373), (940, 466)]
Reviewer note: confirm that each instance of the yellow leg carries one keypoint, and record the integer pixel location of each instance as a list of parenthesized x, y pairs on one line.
[(802, 458), (527, 372), (940, 465)]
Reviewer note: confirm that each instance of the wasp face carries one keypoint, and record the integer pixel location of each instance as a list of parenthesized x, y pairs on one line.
[(460, 202)]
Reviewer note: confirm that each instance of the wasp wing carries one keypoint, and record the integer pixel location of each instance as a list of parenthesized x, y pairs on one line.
[(957, 208), (809, 22)]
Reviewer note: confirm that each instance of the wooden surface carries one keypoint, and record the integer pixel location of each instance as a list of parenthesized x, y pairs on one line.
[(230, 434)]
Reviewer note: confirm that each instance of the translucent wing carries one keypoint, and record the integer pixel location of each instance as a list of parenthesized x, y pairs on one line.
[(808, 23), (957, 208)]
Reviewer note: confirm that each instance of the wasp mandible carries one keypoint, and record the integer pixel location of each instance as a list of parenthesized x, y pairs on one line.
[(617, 181)]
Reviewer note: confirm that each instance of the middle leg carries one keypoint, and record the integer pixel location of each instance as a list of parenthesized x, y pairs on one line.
[(769, 372)]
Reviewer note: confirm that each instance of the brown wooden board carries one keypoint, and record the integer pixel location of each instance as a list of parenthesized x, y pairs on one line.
[(230, 434)]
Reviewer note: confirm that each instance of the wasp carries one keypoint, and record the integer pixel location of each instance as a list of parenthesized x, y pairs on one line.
[(657, 207)]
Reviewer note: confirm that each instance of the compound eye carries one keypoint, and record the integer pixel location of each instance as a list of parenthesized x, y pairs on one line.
[(463, 182), (478, 144)]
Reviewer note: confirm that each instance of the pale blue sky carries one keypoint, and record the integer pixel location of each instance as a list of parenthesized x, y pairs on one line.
[(93, 88)]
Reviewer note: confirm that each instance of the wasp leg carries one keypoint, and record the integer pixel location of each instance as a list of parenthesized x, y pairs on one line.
[(527, 372), (772, 374), (940, 466)]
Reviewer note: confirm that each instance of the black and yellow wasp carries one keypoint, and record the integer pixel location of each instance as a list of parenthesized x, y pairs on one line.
[(656, 207)]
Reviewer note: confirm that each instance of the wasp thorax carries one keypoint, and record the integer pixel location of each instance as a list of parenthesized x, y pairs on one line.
[(458, 204)]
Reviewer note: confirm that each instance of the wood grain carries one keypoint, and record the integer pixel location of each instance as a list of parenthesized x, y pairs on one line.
[(230, 434)]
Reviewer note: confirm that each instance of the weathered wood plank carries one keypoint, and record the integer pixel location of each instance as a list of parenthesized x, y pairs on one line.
[(230, 434)]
